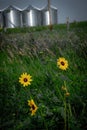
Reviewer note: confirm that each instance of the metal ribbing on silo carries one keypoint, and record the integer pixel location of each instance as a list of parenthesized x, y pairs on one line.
[(11, 17), (31, 16), (45, 15)]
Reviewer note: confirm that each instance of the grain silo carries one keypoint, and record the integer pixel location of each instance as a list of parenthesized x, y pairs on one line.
[(1, 19), (12, 17), (46, 17), (31, 16)]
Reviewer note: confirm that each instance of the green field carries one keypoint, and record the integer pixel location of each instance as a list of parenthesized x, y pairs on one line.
[(35, 51)]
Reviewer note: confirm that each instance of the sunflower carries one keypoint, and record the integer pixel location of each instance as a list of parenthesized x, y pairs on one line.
[(33, 107), (25, 79), (64, 88), (67, 94), (62, 63)]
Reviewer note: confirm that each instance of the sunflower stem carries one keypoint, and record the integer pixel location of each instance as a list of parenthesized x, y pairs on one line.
[(66, 110)]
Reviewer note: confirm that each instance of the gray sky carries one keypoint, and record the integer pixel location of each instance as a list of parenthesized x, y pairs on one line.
[(74, 9)]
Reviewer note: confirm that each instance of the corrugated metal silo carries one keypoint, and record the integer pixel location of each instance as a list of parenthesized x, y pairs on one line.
[(1, 19), (12, 17), (31, 16), (46, 17)]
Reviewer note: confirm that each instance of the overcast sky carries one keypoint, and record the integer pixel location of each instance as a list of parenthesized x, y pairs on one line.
[(74, 9)]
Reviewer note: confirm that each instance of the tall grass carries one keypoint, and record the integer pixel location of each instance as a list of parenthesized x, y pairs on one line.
[(37, 53)]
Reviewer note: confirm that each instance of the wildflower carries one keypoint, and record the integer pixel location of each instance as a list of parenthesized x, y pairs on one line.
[(64, 88), (67, 94), (33, 107), (25, 79), (62, 63)]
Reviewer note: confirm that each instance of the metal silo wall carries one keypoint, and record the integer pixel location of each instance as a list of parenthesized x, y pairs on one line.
[(12, 18), (45, 16), (54, 16), (1, 20), (39, 17), (31, 17)]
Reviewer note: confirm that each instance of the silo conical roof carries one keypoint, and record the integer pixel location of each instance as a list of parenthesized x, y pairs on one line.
[(47, 8), (11, 7), (30, 7)]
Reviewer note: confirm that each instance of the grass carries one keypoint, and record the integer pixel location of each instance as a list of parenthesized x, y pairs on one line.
[(36, 52)]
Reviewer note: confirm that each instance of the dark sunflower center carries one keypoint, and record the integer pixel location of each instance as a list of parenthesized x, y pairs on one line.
[(25, 80), (62, 63), (33, 107)]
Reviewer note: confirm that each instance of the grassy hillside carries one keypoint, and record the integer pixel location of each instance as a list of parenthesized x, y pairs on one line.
[(60, 95)]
